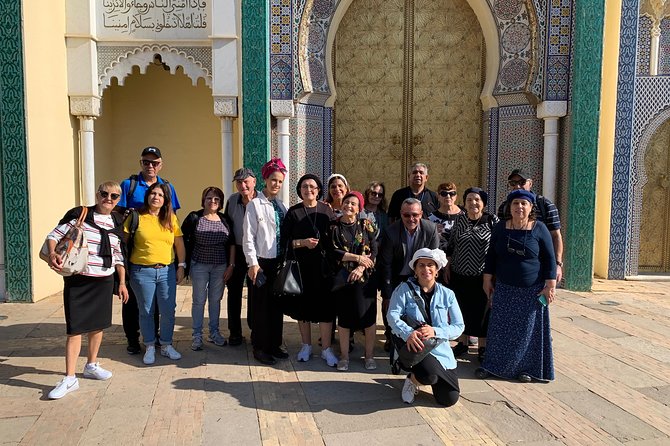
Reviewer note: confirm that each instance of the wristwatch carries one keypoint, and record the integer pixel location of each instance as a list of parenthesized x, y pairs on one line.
[(182, 264), (559, 263)]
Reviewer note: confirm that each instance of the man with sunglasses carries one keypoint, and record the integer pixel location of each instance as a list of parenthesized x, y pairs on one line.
[(133, 190), (400, 240), (418, 179), (545, 211)]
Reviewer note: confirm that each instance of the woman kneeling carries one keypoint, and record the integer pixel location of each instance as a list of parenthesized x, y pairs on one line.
[(444, 322)]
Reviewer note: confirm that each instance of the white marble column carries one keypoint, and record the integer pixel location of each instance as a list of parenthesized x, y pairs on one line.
[(227, 154), (86, 108), (283, 111), (225, 107), (550, 112), (655, 48), (87, 160)]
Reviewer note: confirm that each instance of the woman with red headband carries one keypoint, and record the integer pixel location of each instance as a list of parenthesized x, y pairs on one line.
[(261, 245)]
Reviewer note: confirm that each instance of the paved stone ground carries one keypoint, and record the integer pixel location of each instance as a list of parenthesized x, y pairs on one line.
[(612, 355)]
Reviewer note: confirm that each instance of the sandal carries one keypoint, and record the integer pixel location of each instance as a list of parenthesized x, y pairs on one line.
[(343, 365)]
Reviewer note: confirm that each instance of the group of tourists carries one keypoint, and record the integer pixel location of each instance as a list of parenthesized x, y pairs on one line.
[(446, 271)]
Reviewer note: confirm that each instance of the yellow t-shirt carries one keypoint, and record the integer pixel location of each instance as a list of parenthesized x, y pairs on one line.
[(153, 243)]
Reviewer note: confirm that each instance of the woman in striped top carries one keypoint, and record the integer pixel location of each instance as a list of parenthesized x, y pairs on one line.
[(87, 296), (468, 244)]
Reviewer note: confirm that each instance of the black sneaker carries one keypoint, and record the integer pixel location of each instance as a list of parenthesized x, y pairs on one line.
[(133, 348), (235, 340), (264, 358), (279, 353), (459, 349)]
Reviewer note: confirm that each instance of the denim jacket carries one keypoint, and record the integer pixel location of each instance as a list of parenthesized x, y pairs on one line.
[(444, 311)]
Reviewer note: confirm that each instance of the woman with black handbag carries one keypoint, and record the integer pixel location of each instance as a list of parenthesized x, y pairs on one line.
[(421, 310), (354, 246), (304, 231)]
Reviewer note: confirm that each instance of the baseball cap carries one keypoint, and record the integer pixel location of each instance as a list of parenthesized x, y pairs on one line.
[(151, 150), (520, 173), (243, 173)]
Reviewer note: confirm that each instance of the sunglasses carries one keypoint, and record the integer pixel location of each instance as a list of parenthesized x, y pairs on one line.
[(105, 194), (511, 250), (447, 193), (376, 194), (411, 215), (147, 163), (515, 183)]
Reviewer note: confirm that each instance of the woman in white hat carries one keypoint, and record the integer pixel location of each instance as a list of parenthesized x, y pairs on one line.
[(445, 322)]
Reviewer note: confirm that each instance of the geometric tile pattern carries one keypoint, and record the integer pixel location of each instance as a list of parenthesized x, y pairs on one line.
[(307, 137), (519, 146), (558, 51), (589, 23), (13, 157), (664, 48), (281, 50), (644, 45), (620, 230)]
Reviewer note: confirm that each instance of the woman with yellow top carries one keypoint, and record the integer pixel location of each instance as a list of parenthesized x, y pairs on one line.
[(152, 272)]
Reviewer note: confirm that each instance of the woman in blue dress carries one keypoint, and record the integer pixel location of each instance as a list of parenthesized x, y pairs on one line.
[(520, 282)]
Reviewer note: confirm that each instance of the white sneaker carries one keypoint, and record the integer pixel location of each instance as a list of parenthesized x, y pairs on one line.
[(329, 356), (169, 352), (409, 390), (305, 353), (149, 355), (64, 387), (94, 371)]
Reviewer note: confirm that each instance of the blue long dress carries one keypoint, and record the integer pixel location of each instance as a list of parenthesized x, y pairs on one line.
[(519, 333)]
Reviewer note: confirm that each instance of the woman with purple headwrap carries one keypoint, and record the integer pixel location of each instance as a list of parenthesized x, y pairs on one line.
[(261, 243)]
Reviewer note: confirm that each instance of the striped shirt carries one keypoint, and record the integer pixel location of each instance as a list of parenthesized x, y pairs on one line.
[(469, 243), (94, 266)]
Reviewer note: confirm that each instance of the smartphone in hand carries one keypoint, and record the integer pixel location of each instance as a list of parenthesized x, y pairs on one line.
[(260, 278), (542, 299)]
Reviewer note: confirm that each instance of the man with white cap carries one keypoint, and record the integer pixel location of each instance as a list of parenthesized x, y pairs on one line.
[(422, 309)]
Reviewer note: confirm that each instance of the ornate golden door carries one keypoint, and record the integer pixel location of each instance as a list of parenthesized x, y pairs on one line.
[(408, 80), (655, 225)]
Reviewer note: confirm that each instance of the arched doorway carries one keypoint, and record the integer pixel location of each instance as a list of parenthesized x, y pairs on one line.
[(408, 76), (655, 217), (171, 111)]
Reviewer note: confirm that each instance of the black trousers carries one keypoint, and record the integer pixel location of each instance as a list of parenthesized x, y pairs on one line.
[(235, 286), (267, 319), (130, 315), (444, 382)]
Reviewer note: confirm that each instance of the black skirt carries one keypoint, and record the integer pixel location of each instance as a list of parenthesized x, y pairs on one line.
[(473, 303), (355, 309), (88, 303)]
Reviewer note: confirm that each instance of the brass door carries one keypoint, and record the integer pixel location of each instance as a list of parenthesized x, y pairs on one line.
[(408, 96), (655, 225)]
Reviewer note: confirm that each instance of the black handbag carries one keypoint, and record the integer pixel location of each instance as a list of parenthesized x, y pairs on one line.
[(340, 279), (289, 280), (408, 358)]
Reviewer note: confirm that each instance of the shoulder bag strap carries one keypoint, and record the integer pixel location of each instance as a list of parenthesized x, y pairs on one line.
[(82, 217), (421, 303)]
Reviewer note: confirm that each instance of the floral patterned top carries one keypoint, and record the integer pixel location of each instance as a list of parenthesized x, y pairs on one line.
[(356, 238)]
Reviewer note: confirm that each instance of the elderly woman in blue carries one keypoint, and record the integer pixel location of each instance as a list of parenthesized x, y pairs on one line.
[(437, 369)]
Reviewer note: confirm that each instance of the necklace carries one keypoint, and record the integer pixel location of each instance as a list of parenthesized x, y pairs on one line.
[(472, 224), (523, 225)]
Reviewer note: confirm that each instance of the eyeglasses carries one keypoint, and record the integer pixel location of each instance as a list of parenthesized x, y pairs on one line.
[(411, 215), (521, 252), (447, 193), (105, 194), (376, 194), (308, 187), (147, 163), (214, 199), (515, 183)]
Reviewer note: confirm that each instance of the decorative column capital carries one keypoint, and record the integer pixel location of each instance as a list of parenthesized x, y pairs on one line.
[(225, 106), (85, 106), (552, 109), (282, 109)]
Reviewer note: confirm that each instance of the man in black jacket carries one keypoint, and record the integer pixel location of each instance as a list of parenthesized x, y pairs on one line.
[(418, 179), (400, 241)]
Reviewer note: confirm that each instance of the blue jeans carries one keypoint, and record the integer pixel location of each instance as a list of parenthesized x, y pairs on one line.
[(207, 282), (159, 285)]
